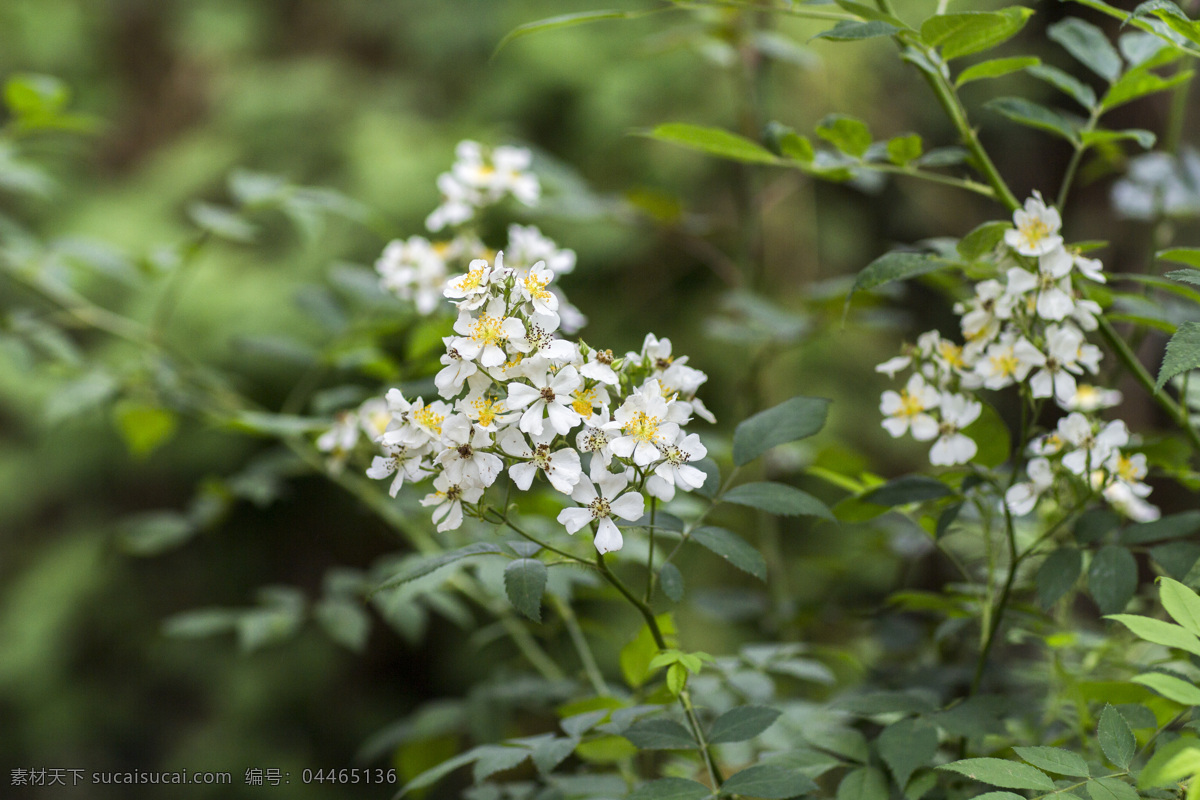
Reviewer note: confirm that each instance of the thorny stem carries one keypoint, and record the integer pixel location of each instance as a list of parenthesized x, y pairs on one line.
[(685, 700)]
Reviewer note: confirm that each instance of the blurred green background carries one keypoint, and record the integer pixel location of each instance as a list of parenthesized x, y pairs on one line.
[(369, 97)]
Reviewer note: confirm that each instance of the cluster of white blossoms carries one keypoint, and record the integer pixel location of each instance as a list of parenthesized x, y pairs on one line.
[(514, 396), (1025, 326), (417, 269)]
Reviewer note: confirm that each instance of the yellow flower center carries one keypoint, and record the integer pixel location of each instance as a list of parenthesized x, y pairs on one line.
[(584, 400), (910, 405), (487, 330), (642, 427), (537, 286), (472, 280), (1005, 364), (486, 409), (1034, 230), (441, 248), (951, 352), (430, 419), (1127, 470)]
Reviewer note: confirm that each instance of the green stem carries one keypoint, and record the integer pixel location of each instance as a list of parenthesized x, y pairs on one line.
[(1127, 357), (579, 641), (997, 616), (1076, 157)]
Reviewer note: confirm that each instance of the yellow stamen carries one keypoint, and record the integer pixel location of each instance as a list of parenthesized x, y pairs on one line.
[(642, 427), (487, 330), (429, 419)]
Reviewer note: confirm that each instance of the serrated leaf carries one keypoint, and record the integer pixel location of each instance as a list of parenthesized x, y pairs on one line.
[(714, 141), (768, 781), (850, 31), (1183, 353), (982, 240), (1055, 759), (1140, 83), (973, 31), (1116, 737), (996, 68), (1005, 774), (671, 581), (1171, 687), (789, 421), (895, 266), (777, 498), (524, 582), (1159, 632), (847, 134), (1110, 789), (907, 745), (428, 564), (907, 489), (1030, 114), (1181, 603), (1088, 45), (864, 783), (742, 724), (1057, 574), (493, 758), (1171, 763), (671, 789), (902, 150), (1112, 578), (733, 548), (1069, 85), (551, 752), (1191, 276)]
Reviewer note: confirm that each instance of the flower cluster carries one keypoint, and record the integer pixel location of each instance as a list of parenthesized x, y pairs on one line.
[(517, 398), (418, 269), (1024, 326)]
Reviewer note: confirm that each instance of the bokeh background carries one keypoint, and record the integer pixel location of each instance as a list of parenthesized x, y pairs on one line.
[(745, 270)]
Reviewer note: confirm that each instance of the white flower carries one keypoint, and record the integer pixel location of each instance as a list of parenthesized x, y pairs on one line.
[(413, 270), (600, 499), (1022, 497), (561, 467), (548, 398), (595, 438), (484, 404), (527, 246), (532, 287), (538, 339), (457, 206), (449, 380), (449, 498), (908, 409), (1055, 378), (405, 462), (464, 459), (1090, 398), (982, 316), (1091, 268), (674, 471), (413, 424), (655, 352), (893, 365), (340, 439), (1092, 449), (1007, 361), (953, 447), (642, 422), (374, 415), (483, 338), (1122, 497), (1037, 228), (598, 366), (681, 382), (472, 288), (1052, 285)]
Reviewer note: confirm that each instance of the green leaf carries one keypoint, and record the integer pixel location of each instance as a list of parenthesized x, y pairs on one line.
[(982, 240), (1176, 558), (659, 734), (671, 581), (1057, 574), (1112, 578), (435, 774), (907, 489), (1055, 759), (1171, 763), (428, 564), (850, 135), (733, 548), (870, 13), (1079, 91), (864, 783), (636, 656), (1111, 789), (560, 21), (264, 423), (902, 150), (895, 266), (1088, 45), (222, 222), (1144, 138), (200, 623), (524, 582), (493, 758), (777, 498), (1171, 687), (768, 781), (1005, 774), (1183, 353), (973, 31), (906, 745), (1181, 603), (31, 94), (996, 68), (671, 789), (742, 723), (1191, 276), (1174, 526), (1159, 632), (144, 427), (714, 141), (998, 796), (1139, 83), (793, 419), (1181, 255), (1024, 112), (849, 31), (676, 678), (886, 702), (345, 621), (155, 532)]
